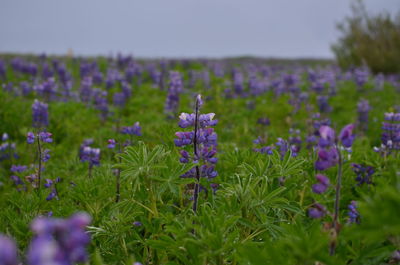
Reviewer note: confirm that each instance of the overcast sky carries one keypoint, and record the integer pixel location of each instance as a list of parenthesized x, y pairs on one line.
[(176, 28)]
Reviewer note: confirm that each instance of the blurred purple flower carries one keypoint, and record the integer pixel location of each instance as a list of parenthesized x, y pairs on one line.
[(8, 251)]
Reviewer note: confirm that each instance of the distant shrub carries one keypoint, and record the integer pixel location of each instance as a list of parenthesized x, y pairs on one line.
[(371, 40)]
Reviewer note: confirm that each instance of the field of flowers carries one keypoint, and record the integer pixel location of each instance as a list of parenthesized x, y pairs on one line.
[(243, 161)]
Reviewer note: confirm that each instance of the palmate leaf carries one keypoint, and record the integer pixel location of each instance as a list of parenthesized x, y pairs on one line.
[(140, 161), (260, 168)]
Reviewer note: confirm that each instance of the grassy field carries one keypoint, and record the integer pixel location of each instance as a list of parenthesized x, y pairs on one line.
[(261, 212)]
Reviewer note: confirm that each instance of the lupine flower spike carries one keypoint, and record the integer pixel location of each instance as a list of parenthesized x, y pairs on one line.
[(329, 155), (41, 138), (204, 141)]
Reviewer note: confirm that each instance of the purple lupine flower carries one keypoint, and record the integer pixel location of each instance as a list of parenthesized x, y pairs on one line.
[(18, 168), (354, 216), (184, 138), (295, 140), (390, 133), (46, 155), (318, 122), (268, 150), (175, 88), (259, 140), (363, 109), (311, 141), (8, 251), (111, 143), (86, 142), (135, 129), (322, 185), (188, 120), (19, 184), (346, 135), (52, 195), (214, 187), (52, 185), (59, 241), (327, 158), (7, 150), (361, 76), (47, 89), (86, 91), (323, 105), (264, 121), (327, 136), (26, 88), (40, 115), (317, 211), (91, 155), (284, 146), (238, 80), (137, 223), (204, 141), (101, 103), (364, 173), (49, 183), (45, 137), (328, 155), (30, 138), (119, 99), (126, 89)]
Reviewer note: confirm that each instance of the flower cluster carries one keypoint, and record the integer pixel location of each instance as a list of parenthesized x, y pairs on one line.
[(135, 129), (328, 155), (175, 88), (43, 154), (295, 140), (323, 104), (354, 216), (59, 241), (322, 185), (7, 150), (8, 251), (40, 115), (317, 211), (391, 133), (204, 141), (363, 109), (264, 121), (89, 154), (16, 170), (51, 184), (364, 173)]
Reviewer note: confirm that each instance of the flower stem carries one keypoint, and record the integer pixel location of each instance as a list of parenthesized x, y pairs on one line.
[(336, 225), (40, 162), (197, 184)]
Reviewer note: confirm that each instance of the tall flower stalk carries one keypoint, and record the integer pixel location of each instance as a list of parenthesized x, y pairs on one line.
[(204, 141), (329, 155), (43, 154), (90, 155)]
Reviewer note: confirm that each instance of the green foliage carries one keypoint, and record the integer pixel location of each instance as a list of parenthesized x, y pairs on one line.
[(257, 216), (371, 40)]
